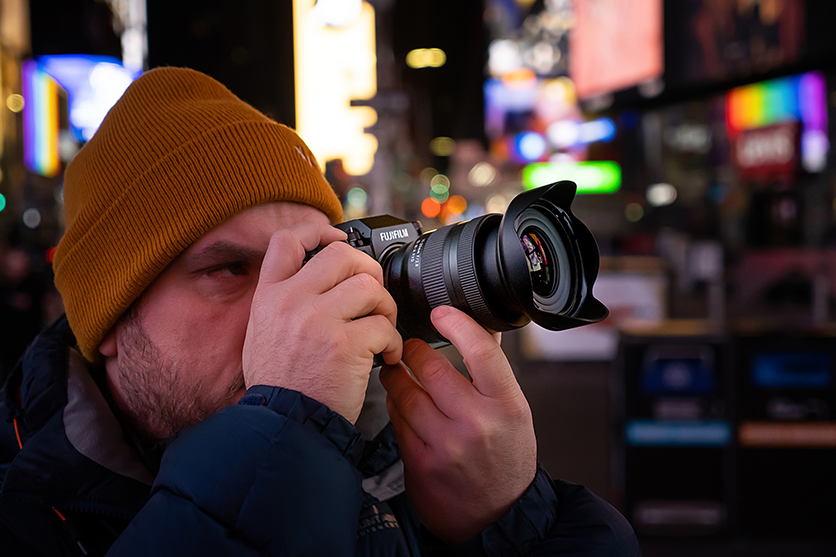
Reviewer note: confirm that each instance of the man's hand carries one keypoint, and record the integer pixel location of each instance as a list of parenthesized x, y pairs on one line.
[(316, 330), (469, 449)]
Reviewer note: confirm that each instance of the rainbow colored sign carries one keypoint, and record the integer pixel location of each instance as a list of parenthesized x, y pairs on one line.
[(40, 121), (799, 98)]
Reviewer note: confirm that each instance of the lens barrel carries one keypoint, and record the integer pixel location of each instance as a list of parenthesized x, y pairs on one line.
[(455, 265)]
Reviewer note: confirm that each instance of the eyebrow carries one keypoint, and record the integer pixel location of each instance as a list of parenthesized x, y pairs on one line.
[(223, 250)]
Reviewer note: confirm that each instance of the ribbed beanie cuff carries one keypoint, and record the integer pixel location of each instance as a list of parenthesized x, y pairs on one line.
[(176, 156)]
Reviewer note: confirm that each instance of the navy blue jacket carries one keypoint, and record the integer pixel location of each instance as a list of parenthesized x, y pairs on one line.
[(276, 474)]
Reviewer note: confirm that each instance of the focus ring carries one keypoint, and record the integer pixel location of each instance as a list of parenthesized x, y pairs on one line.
[(432, 272), (467, 275)]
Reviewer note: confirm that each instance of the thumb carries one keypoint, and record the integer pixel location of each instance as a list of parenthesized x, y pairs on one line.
[(489, 369)]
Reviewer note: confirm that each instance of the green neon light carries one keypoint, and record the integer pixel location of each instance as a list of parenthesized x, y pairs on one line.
[(591, 177), (2, 202)]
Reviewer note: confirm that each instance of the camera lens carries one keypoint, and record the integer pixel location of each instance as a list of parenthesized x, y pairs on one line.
[(537, 262), (540, 261), (465, 265)]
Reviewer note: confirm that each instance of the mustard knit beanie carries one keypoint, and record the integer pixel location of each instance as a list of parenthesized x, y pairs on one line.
[(176, 156)]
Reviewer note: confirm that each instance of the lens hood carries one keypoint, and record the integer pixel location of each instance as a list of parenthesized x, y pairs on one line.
[(564, 299)]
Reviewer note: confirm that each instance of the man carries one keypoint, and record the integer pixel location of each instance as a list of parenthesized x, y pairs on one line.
[(199, 398)]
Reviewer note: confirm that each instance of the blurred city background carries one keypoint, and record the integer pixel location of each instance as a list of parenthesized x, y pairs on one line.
[(698, 132)]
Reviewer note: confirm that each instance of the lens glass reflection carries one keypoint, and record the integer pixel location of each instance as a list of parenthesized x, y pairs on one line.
[(538, 259)]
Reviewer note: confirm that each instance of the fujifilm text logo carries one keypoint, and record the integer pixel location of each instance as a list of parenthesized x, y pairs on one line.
[(390, 235)]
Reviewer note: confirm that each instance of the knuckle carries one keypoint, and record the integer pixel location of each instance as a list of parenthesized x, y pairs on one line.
[(367, 283), (410, 399), (280, 301), (477, 431), (434, 371), (484, 352), (281, 236), (376, 327), (455, 451), (336, 248)]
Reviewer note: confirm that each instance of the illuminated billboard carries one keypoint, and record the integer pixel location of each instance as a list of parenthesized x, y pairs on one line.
[(335, 64), (615, 45)]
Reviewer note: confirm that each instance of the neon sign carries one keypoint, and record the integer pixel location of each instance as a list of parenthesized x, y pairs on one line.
[(40, 121), (800, 98), (591, 176)]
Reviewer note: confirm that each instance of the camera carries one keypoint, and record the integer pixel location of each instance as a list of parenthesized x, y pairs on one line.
[(537, 263)]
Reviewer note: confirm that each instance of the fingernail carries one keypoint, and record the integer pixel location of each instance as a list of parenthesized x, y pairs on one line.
[(440, 311)]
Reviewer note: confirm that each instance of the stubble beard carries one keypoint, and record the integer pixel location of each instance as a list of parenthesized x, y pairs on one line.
[(159, 397)]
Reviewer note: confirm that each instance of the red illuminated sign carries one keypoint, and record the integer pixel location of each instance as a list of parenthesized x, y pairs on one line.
[(768, 153)]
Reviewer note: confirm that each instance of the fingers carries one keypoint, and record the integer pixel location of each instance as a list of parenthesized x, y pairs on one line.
[(407, 399), (287, 248), (358, 296), (378, 335), (409, 442), (489, 368), (371, 312), (336, 263), (447, 387)]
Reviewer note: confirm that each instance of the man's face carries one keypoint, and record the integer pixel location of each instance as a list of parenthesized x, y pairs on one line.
[(175, 357)]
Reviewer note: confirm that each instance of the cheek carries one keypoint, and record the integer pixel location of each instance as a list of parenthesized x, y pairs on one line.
[(204, 332)]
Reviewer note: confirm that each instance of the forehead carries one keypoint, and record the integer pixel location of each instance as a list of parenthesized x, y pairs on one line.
[(255, 226)]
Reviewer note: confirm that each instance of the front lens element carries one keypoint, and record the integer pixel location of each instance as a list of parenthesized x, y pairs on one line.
[(539, 261)]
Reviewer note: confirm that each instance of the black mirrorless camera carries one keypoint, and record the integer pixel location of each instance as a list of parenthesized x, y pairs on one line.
[(537, 263)]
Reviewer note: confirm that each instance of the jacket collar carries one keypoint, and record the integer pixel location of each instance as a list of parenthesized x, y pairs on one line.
[(75, 454)]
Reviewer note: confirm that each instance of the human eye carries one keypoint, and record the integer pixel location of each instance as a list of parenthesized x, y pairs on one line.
[(233, 269)]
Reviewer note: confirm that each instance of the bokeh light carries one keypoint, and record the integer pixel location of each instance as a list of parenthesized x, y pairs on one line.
[(482, 174), (440, 188), (430, 208), (531, 146), (456, 205), (427, 174), (14, 102), (442, 146), (426, 58), (32, 218), (659, 195), (497, 204), (634, 212), (357, 197)]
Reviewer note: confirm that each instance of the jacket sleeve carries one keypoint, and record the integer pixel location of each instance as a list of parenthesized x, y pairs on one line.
[(552, 518), (272, 475)]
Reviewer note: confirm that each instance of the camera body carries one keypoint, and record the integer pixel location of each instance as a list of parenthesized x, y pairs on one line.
[(377, 236), (537, 262)]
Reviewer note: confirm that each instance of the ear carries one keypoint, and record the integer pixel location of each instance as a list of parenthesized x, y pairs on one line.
[(108, 347)]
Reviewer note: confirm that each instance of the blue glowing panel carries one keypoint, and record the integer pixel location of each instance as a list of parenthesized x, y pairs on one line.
[(678, 376), (792, 370), (93, 85), (699, 433)]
